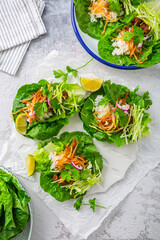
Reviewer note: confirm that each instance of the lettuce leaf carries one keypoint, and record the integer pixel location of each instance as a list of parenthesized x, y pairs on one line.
[(14, 213), (111, 92), (43, 164), (94, 29), (43, 129), (149, 12), (151, 52)]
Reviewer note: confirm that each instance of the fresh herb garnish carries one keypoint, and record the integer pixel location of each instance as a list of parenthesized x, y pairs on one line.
[(92, 204), (78, 203), (115, 6), (64, 75), (137, 35), (46, 91), (70, 173), (121, 117), (85, 173), (40, 108), (55, 103)]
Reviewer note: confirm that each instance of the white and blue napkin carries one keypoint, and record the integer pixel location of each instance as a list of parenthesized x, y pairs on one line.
[(20, 22)]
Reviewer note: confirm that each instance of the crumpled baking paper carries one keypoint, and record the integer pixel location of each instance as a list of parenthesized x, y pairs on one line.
[(116, 160)]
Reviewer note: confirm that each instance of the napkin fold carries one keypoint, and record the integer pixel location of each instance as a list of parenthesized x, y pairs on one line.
[(20, 23)]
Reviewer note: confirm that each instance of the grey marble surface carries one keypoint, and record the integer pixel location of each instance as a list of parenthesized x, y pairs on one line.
[(138, 216)]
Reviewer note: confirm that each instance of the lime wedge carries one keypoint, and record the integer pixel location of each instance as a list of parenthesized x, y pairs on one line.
[(30, 164), (21, 123), (91, 84)]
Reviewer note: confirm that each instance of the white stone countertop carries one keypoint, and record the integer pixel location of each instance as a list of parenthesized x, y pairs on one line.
[(138, 216)]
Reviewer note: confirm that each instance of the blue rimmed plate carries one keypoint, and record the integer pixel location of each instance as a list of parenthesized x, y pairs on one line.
[(91, 44), (26, 233)]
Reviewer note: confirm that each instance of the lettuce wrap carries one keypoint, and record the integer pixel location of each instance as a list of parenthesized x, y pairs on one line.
[(95, 18), (46, 107), (136, 43), (116, 114), (68, 165), (14, 213)]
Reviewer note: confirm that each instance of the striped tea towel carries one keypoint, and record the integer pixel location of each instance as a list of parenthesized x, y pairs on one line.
[(20, 22), (11, 58)]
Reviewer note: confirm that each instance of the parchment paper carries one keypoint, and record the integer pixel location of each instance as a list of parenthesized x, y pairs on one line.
[(116, 160)]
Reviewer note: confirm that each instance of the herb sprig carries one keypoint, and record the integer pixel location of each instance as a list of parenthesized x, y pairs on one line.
[(92, 204), (137, 35), (64, 75)]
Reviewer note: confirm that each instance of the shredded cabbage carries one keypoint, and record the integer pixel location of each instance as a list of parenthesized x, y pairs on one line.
[(81, 186), (150, 13), (137, 129)]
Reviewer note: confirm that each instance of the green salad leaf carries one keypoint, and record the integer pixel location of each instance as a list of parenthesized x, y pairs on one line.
[(65, 100), (115, 6), (131, 127), (76, 182), (149, 12), (14, 213), (95, 28), (150, 53)]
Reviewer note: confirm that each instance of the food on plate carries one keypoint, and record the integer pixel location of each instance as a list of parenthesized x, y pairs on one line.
[(40, 110), (136, 43), (116, 114), (69, 166), (96, 16), (14, 212)]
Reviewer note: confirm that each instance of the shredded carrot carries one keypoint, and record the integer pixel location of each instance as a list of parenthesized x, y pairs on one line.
[(108, 121), (133, 49), (36, 97), (69, 156), (101, 7)]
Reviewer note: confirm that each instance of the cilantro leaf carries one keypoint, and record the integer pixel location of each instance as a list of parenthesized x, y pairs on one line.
[(70, 173), (78, 203), (68, 166), (121, 117), (104, 100), (137, 35), (66, 175), (75, 174), (45, 91), (43, 82), (74, 73), (40, 108), (64, 78), (145, 101), (64, 75), (115, 6), (127, 36), (72, 70), (84, 174), (92, 203), (55, 103), (59, 73)]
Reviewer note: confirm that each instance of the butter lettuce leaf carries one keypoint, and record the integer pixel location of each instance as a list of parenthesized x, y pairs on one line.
[(151, 52), (85, 148), (131, 131), (95, 29), (45, 128)]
